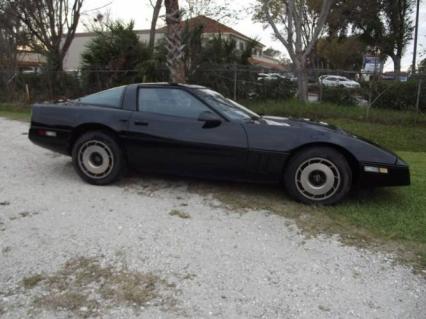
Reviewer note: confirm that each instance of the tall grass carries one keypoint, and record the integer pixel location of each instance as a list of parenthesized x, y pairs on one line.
[(320, 111)]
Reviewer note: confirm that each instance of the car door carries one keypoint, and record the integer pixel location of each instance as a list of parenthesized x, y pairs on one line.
[(328, 81), (167, 135), (332, 81)]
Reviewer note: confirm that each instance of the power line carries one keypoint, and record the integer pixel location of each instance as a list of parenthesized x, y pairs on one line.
[(98, 8)]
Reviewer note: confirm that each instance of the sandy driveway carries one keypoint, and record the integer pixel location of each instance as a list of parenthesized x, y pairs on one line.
[(152, 249)]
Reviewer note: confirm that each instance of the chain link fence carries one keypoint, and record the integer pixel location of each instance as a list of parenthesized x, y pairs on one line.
[(239, 82)]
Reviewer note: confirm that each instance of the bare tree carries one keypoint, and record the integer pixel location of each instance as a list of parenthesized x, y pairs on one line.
[(297, 24), (218, 10), (52, 25), (9, 41), (174, 42), (97, 22), (155, 15)]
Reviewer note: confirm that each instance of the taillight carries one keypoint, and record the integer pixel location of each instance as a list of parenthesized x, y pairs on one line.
[(42, 132)]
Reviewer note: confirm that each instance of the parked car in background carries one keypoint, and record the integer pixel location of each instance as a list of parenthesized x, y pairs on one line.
[(338, 81), (276, 76), (192, 130), (268, 76), (391, 76), (290, 76)]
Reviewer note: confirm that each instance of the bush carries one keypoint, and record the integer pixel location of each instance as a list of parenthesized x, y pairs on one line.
[(112, 58), (340, 96), (277, 89), (42, 86), (397, 95)]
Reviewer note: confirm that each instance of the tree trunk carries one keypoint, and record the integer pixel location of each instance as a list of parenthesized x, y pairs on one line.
[(174, 42), (155, 15), (397, 66), (302, 82)]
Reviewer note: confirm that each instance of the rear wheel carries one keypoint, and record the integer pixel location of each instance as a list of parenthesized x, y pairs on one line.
[(97, 158), (318, 175)]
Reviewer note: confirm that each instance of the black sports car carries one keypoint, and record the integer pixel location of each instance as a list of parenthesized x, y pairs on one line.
[(192, 130)]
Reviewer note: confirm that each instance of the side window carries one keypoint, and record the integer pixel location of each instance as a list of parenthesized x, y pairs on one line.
[(111, 97), (172, 102)]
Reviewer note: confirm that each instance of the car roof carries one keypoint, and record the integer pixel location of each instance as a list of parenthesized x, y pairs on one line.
[(167, 84)]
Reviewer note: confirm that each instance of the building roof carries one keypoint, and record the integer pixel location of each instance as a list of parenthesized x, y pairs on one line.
[(92, 33), (266, 65), (211, 26)]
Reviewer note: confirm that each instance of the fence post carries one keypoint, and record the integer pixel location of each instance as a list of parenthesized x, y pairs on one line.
[(235, 81), (27, 92), (419, 92), (370, 96)]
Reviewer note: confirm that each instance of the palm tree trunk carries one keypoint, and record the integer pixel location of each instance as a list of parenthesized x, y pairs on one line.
[(155, 15), (174, 42)]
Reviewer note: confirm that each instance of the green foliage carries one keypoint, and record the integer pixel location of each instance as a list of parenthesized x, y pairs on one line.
[(340, 96), (44, 86), (344, 53), (277, 89), (398, 26), (361, 17), (397, 95), (395, 213), (325, 111), (112, 57)]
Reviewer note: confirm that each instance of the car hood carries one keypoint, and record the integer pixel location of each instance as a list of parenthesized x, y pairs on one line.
[(302, 123), (318, 128)]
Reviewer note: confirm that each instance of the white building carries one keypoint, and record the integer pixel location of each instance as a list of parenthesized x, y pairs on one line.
[(211, 28)]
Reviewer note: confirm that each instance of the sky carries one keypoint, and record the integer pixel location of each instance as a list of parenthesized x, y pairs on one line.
[(140, 11)]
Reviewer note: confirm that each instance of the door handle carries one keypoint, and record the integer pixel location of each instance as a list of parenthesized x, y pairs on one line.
[(138, 123)]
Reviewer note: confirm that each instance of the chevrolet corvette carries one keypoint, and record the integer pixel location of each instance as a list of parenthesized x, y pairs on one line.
[(194, 131)]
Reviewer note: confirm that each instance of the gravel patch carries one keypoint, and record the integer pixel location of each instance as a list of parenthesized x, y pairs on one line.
[(194, 257)]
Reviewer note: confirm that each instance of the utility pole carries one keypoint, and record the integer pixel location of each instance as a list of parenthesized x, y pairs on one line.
[(416, 32)]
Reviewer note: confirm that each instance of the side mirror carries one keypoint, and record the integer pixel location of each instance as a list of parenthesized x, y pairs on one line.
[(210, 119)]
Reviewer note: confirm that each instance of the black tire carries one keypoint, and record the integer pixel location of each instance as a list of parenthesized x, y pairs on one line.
[(318, 175), (98, 158)]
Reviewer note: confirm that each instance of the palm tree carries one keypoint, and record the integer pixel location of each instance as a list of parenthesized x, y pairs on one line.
[(174, 42)]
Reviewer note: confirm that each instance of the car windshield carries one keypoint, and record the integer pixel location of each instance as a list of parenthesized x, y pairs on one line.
[(229, 108)]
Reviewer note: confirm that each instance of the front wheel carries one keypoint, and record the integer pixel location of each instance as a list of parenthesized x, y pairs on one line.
[(97, 158), (318, 175)]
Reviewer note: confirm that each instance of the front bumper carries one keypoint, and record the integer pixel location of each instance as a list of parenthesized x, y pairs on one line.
[(387, 175)]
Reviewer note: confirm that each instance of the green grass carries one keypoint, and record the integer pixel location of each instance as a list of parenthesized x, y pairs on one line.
[(394, 213), (15, 112), (396, 130), (321, 111), (395, 137)]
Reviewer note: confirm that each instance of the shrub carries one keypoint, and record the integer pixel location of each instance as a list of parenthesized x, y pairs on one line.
[(397, 95), (277, 89), (112, 58), (42, 86), (340, 96)]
